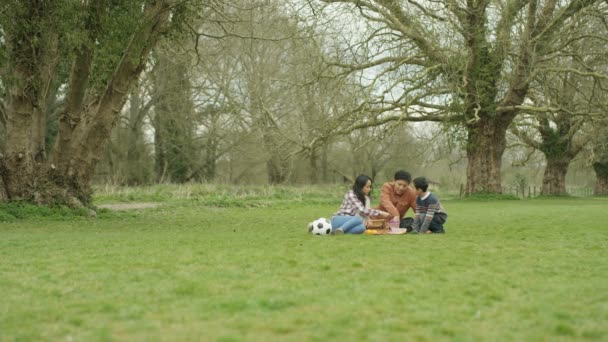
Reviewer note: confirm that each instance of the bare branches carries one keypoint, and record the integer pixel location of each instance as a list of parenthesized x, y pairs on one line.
[(505, 27), (595, 75), (426, 12), (535, 109), (410, 29), (397, 61), (228, 34), (392, 15), (564, 14)]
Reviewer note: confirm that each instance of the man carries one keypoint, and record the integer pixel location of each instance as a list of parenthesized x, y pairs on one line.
[(397, 197)]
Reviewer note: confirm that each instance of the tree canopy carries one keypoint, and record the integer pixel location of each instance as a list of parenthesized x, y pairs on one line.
[(201, 84)]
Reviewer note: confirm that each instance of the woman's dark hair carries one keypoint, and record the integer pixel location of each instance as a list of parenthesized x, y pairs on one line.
[(421, 183), (358, 187), (403, 175)]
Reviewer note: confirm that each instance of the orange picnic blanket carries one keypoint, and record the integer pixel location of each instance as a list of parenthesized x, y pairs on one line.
[(393, 231), (380, 227)]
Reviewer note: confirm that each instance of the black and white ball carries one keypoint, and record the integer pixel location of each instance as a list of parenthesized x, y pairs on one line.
[(320, 226)]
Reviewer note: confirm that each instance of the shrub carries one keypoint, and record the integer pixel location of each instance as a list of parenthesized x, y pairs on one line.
[(488, 196), (20, 210)]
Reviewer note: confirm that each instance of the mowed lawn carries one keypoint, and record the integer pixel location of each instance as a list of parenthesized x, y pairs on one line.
[(505, 271)]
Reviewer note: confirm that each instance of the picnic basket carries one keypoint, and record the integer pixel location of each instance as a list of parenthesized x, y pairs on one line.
[(376, 226)]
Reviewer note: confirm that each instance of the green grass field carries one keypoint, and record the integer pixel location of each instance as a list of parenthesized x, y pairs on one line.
[(233, 267)]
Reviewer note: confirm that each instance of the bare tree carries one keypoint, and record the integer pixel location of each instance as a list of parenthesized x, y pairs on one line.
[(264, 70), (560, 135), (567, 98), (464, 62)]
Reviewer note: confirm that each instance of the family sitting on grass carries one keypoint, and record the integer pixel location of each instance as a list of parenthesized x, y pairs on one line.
[(395, 199)]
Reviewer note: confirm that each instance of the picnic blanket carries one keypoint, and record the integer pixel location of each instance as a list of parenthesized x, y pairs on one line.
[(380, 227), (390, 231)]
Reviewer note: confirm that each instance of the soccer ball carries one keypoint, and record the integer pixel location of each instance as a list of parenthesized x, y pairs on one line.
[(319, 226)]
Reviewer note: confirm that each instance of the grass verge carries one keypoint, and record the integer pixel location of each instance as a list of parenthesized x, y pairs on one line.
[(505, 270)]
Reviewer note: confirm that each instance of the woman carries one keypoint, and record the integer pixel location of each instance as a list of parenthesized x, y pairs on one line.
[(355, 207)]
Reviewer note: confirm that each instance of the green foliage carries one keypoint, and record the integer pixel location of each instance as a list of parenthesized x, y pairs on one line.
[(601, 168), (490, 196), (182, 272), (564, 195), (485, 74), (117, 25), (71, 22), (21, 210), (553, 145)]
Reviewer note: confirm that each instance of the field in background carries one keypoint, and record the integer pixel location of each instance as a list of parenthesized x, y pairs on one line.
[(228, 264)]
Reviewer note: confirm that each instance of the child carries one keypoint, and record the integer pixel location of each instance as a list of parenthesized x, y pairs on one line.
[(430, 214)]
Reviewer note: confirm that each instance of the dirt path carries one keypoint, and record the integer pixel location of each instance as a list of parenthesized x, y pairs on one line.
[(129, 206)]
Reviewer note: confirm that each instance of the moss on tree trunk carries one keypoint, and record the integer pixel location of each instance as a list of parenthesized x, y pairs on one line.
[(486, 145)]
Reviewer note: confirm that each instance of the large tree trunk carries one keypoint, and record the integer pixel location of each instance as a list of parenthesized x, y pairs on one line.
[(23, 135), (485, 147), (24, 172), (18, 163), (601, 183), (554, 179), (71, 115), (90, 143)]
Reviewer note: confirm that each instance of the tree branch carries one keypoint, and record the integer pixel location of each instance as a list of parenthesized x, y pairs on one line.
[(504, 27), (578, 72), (399, 21), (396, 60), (525, 137), (71, 113), (563, 15), (91, 140)]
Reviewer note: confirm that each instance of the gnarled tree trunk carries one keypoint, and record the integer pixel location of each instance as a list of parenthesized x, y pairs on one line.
[(485, 147), (554, 178), (32, 52), (24, 171)]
